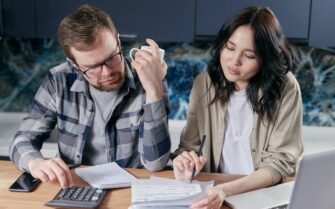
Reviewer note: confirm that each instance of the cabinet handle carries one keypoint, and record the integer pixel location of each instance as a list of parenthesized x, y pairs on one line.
[(129, 36), (1, 21)]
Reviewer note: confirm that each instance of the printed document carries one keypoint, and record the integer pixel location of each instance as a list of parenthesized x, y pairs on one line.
[(166, 193)]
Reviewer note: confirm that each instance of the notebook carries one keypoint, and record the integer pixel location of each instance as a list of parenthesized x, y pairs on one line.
[(106, 176), (314, 187)]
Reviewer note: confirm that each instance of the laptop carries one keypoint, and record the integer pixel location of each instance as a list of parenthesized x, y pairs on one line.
[(314, 187)]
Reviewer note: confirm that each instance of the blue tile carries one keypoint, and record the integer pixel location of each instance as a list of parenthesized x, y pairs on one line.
[(25, 62)]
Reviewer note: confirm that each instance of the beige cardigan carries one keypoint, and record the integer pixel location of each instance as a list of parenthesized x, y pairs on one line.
[(275, 146)]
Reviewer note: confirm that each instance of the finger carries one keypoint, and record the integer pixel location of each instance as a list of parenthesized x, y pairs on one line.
[(41, 175), (178, 164), (188, 164), (141, 59), (165, 67), (212, 201), (145, 55), (51, 176), (46, 168), (186, 155), (65, 168), (187, 160), (140, 54), (204, 203), (138, 67), (202, 160), (216, 203), (208, 202), (196, 160), (154, 47), (60, 173)]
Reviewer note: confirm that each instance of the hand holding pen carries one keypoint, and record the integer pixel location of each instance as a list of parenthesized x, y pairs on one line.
[(199, 154), (188, 163)]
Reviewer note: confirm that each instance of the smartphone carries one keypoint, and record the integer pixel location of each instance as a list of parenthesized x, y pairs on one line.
[(25, 183)]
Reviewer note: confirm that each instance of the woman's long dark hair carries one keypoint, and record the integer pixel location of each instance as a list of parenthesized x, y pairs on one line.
[(276, 57)]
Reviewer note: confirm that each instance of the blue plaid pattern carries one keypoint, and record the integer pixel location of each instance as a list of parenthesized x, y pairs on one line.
[(138, 132)]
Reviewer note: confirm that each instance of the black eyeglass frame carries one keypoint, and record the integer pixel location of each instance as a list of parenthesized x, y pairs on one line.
[(101, 64)]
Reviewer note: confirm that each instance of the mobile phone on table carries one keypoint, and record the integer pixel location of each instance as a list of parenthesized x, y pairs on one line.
[(25, 183)]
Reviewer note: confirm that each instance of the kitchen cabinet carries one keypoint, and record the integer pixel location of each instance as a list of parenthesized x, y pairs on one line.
[(164, 20), (18, 18), (1, 25), (322, 27), (293, 15), (48, 16)]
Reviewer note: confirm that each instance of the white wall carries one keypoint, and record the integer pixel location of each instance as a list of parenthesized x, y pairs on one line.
[(316, 139)]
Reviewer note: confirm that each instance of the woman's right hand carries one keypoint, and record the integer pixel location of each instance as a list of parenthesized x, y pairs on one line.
[(184, 163)]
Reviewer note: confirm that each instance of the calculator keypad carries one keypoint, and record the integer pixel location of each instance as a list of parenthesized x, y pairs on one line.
[(82, 197)]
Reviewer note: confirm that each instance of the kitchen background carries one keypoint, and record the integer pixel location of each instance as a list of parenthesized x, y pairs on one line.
[(26, 53)]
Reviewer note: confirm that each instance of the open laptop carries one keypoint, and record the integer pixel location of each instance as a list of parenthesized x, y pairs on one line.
[(314, 187)]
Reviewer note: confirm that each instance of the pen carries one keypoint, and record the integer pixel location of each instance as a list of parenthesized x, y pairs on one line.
[(199, 153), (73, 166)]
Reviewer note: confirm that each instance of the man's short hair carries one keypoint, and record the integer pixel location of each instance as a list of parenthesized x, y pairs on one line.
[(80, 29)]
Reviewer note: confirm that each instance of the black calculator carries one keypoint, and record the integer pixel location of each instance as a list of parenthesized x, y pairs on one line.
[(78, 197)]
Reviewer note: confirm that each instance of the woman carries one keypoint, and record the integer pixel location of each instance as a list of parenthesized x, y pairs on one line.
[(248, 104)]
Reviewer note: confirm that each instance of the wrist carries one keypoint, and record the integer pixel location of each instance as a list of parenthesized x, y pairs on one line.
[(153, 96), (225, 190), (32, 163)]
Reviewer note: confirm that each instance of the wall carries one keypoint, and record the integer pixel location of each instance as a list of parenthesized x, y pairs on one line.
[(24, 63)]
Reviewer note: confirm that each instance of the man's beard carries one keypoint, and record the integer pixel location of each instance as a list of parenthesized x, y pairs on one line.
[(116, 85)]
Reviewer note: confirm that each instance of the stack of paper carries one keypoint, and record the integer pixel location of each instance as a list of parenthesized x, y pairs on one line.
[(105, 176), (166, 193)]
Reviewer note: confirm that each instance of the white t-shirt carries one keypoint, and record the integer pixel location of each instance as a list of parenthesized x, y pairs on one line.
[(236, 152)]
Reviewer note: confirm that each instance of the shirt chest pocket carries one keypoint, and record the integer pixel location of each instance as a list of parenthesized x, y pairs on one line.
[(68, 136), (128, 131), (128, 124)]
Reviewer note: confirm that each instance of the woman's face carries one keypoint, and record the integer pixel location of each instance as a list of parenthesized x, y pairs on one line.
[(238, 58)]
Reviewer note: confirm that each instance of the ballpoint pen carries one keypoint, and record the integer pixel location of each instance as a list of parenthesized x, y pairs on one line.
[(199, 153)]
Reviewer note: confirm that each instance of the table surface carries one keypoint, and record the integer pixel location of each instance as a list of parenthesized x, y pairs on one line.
[(115, 198)]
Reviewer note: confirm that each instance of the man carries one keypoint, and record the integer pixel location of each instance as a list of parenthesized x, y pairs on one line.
[(104, 110)]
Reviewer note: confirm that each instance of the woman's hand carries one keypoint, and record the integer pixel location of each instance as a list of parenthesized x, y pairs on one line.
[(184, 163), (213, 199)]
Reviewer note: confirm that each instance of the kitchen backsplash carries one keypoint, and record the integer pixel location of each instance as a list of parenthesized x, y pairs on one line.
[(25, 62)]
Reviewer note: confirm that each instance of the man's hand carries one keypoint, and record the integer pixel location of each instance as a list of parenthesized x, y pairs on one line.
[(184, 163), (51, 170), (151, 71)]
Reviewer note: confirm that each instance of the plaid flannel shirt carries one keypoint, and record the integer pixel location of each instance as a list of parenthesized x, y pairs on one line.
[(137, 132)]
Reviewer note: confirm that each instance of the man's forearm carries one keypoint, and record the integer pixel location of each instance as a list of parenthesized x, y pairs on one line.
[(21, 152), (155, 143)]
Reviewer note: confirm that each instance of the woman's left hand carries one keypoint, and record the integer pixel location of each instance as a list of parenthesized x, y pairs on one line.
[(213, 199)]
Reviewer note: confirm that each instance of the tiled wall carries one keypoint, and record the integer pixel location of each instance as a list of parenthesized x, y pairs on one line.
[(24, 63)]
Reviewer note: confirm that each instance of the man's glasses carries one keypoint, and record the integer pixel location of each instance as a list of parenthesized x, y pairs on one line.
[(111, 62)]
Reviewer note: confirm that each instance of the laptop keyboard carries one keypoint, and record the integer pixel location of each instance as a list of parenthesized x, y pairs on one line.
[(285, 206)]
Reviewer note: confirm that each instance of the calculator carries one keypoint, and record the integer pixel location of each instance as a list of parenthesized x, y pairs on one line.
[(78, 197)]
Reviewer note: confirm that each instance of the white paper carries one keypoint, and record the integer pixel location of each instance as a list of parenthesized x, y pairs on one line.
[(158, 191), (109, 175), (147, 193)]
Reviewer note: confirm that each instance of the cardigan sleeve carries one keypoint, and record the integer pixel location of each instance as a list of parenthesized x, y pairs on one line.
[(285, 139)]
